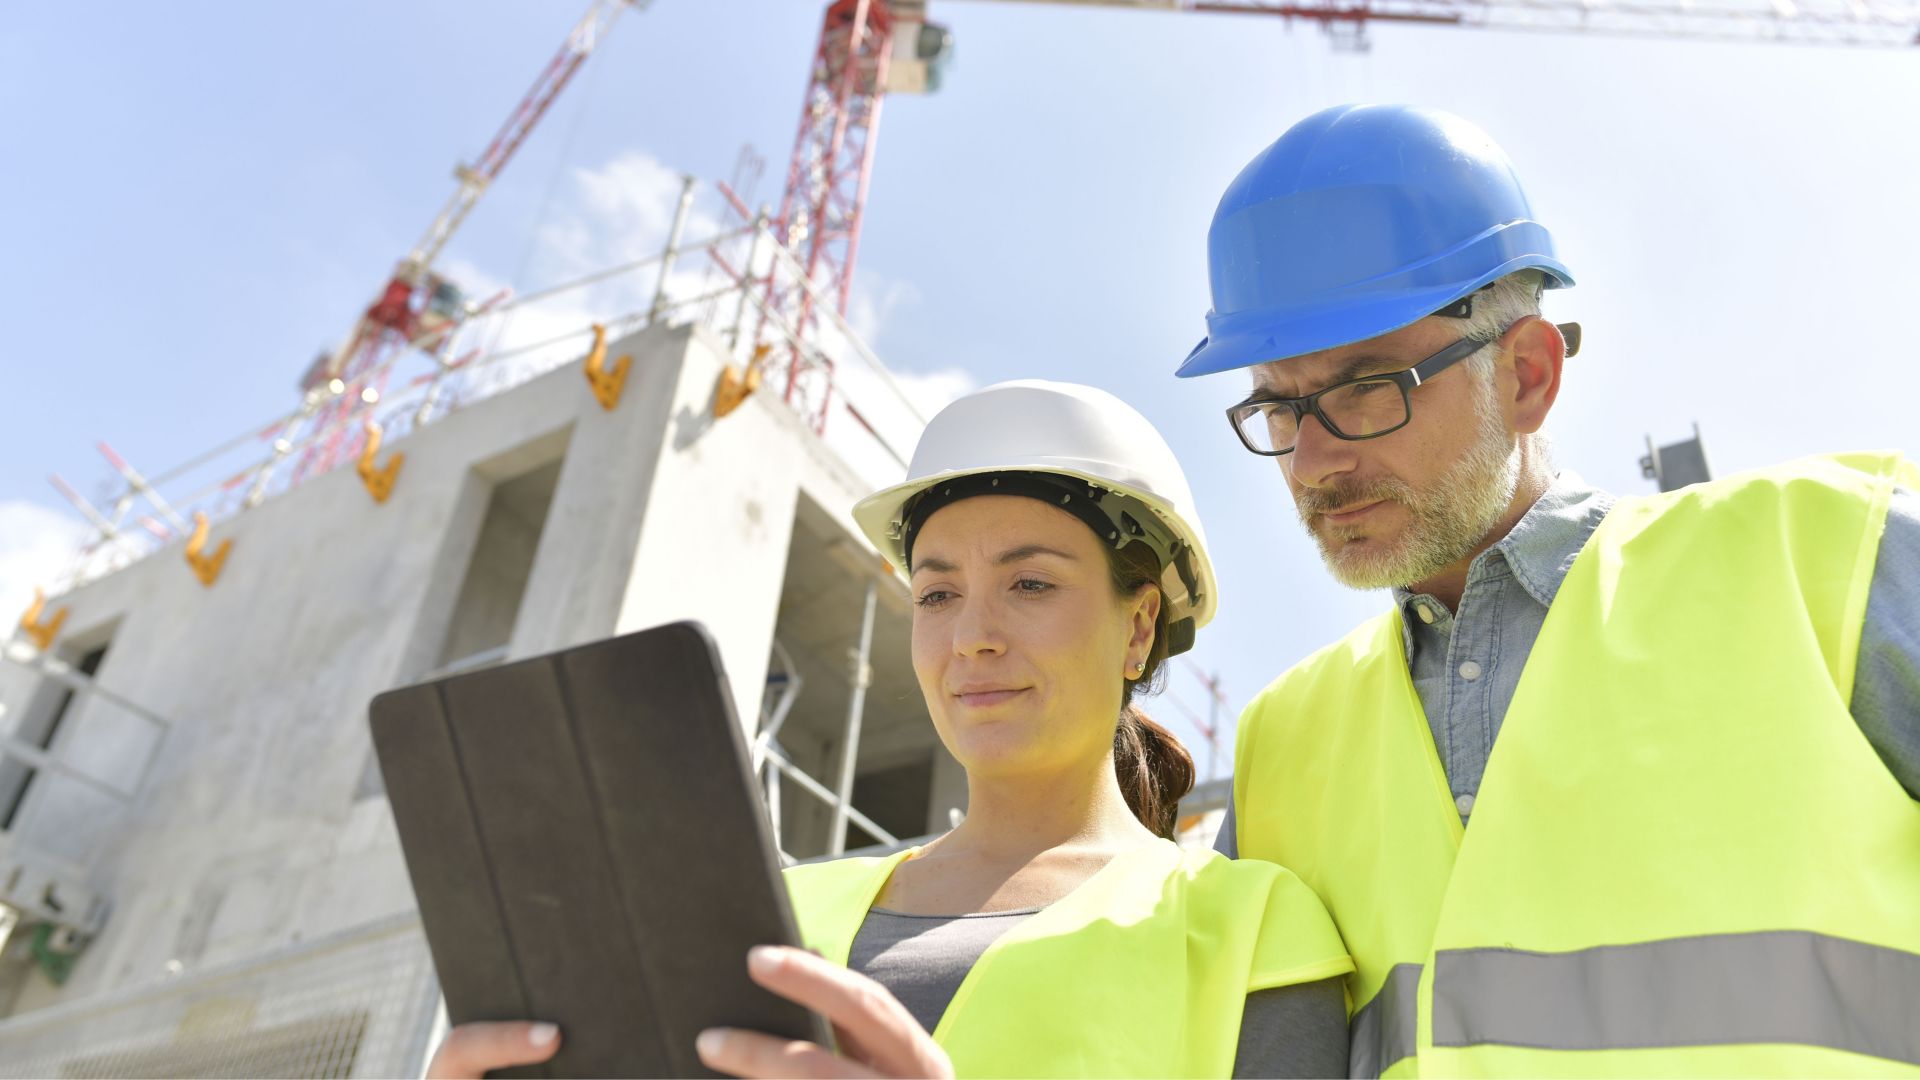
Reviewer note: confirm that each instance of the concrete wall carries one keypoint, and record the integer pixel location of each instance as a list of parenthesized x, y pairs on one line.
[(249, 834)]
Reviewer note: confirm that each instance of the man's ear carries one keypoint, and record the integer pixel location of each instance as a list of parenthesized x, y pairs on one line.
[(1539, 352)]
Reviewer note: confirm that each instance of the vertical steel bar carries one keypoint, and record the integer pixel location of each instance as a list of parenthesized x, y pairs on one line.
[(773, 806), (1213, 724), (746, 286), (850, 746), (282, 445), (659, 306)]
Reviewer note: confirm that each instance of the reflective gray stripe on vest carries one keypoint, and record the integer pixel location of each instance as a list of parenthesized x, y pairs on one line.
[(1784, 986), (1385, 1029)]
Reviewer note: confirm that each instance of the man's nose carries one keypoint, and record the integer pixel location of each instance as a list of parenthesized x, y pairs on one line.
[(1318, 455)]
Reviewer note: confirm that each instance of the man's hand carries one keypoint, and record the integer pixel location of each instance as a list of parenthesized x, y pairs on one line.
[(473, 1050), (877, 1035)]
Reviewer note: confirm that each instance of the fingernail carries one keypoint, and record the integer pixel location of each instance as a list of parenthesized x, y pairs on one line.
[(709, 1042), (763, 959), (542, 1034)]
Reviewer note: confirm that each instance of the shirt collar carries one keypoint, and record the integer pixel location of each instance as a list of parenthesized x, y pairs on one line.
[(1541, 547)]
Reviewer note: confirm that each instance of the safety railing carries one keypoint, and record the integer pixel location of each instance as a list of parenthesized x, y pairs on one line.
[(774, 767), (731, 282), (359, 1003), (71, 793)]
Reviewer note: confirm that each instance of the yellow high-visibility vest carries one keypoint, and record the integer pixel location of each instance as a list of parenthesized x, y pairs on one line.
[(1685, 859), (1140, 971)]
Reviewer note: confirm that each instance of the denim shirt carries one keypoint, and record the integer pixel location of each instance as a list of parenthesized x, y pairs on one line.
[(1467, 664)]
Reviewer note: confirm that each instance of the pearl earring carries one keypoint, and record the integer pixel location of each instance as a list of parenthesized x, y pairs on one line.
[(1140, 669)]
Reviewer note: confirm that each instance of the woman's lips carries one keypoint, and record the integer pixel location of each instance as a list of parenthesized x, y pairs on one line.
[(979, 699)]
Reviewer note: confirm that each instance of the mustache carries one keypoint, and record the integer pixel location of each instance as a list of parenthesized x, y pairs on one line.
[(1312, 502)]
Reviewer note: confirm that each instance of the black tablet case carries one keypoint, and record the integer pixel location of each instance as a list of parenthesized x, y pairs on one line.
[(587, 847)]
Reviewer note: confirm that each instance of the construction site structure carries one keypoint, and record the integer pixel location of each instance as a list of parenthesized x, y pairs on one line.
[(198, 871), (207, 795), (1678, 464)]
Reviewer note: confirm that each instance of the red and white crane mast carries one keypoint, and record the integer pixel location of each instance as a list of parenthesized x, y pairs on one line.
[(417, 308)]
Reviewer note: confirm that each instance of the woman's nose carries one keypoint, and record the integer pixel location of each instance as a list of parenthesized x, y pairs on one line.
[(978, 628)]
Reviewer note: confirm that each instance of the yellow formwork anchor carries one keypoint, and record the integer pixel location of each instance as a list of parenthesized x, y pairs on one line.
[(205, 567), (606, 383), (42, 633), (736, 387), (379, 479)]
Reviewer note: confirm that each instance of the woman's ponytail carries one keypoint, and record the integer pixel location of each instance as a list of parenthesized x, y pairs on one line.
[(1154, 770)]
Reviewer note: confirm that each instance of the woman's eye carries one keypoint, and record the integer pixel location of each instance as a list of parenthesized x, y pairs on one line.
[(1031, 585), (933, 598)]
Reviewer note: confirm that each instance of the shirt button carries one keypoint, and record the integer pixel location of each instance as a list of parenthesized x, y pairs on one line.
[(1469, 671), (1425, 612), (1465, 803)]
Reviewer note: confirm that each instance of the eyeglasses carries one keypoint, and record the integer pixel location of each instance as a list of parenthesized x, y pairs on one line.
[(1363, 408)]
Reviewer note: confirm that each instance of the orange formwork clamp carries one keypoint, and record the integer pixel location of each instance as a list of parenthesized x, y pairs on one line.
[(607, 383), (205, 567), (735, 387), (41, 632), (379, 479)]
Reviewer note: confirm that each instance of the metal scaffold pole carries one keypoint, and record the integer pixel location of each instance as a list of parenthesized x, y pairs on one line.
[(850, 748)]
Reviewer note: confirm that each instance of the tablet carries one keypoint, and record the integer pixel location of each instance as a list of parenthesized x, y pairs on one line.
[(587, 846)]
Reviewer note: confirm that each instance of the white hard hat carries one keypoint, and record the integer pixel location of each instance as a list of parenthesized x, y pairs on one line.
[(1107, 464)]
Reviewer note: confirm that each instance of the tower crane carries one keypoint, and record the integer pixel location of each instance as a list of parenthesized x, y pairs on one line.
[(417, 308), (869, 48)]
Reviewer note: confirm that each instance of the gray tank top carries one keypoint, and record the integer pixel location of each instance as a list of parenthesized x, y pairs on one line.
[(921, 959)]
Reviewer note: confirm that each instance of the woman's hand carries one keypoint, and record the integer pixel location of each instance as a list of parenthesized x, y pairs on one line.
[(473, 1050), (877, 1035)]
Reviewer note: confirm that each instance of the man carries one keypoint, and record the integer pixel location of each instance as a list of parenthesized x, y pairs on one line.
[(1617, 786)]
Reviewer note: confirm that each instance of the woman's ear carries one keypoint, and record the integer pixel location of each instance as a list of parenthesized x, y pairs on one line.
[(1143, 613)]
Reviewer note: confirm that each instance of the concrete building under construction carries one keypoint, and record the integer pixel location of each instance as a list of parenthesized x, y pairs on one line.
[(205, 816)]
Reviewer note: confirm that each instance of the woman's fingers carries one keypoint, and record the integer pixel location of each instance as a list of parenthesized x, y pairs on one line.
[(872, 1024), (754, 1055), (472, 1050)]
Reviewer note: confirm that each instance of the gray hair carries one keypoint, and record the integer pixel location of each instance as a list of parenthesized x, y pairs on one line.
[(1497, 307)]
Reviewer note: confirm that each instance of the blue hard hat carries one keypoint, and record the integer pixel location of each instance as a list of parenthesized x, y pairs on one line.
[(1360, 220)]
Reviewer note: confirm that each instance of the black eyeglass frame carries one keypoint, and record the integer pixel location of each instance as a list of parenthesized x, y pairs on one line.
[(1406, 379)]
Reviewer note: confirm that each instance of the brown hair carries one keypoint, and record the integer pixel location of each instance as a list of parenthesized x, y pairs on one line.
[(1154, 770)]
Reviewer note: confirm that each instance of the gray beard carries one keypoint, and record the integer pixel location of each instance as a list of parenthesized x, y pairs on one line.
[(1450, 518)]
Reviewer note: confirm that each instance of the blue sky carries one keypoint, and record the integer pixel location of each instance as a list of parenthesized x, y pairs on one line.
[(197, 197)]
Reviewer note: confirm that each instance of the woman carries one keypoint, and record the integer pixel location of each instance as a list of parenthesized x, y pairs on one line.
[(1050, 548)]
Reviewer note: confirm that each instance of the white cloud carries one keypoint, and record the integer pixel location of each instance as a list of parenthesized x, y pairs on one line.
[(37, 546), (873, 302), (935, 390)]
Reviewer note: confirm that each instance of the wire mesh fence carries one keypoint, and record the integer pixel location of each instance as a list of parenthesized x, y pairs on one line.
[(359, 1003)]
